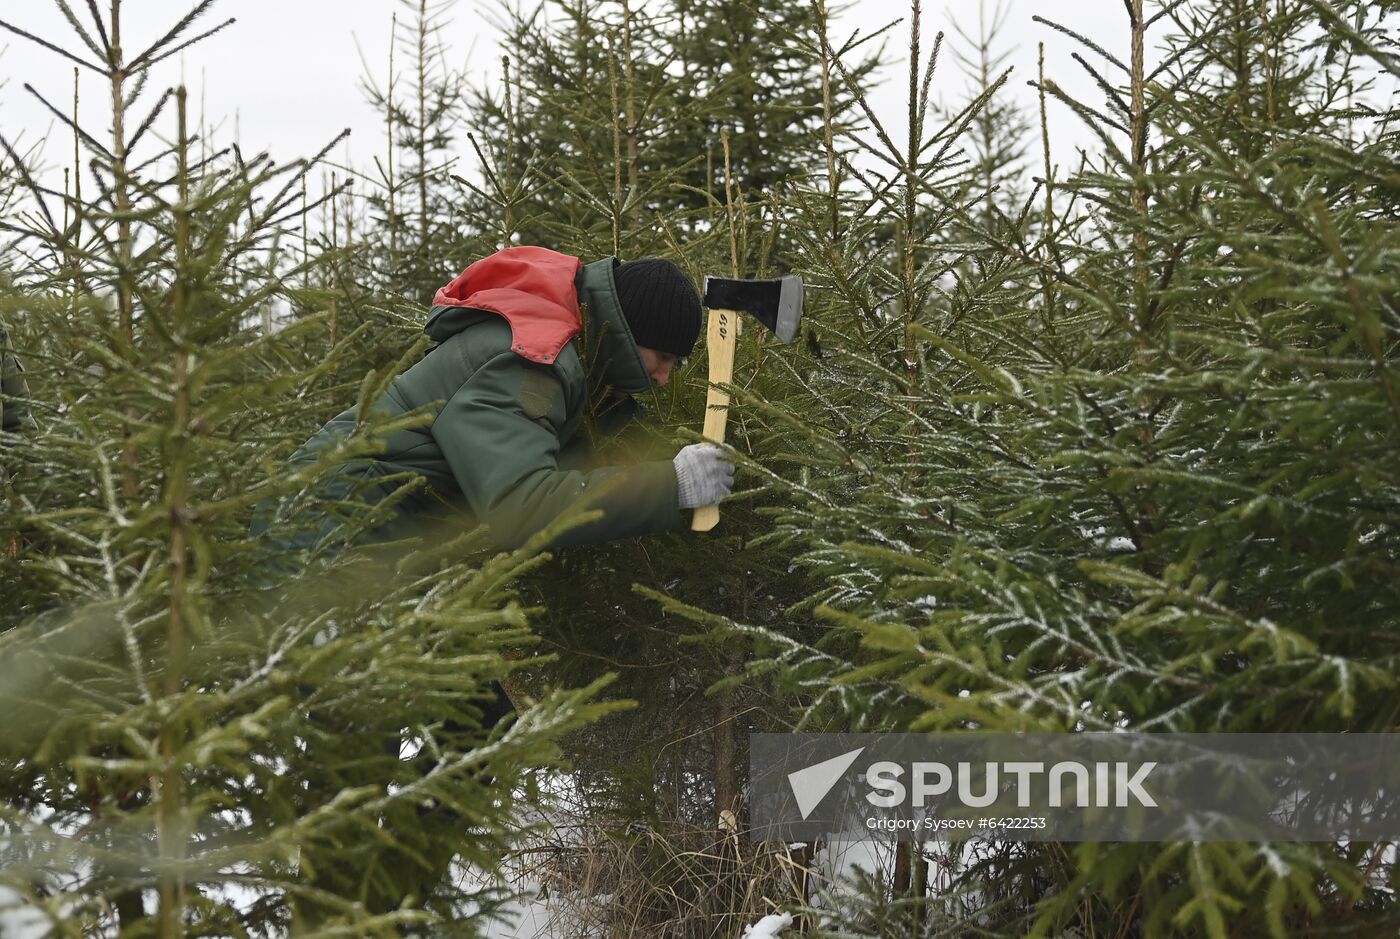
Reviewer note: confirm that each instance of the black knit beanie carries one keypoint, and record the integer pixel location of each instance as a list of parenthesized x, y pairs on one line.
[(660, 304)]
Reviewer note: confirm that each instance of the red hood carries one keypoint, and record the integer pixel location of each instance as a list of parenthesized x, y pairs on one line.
[(533, 288)]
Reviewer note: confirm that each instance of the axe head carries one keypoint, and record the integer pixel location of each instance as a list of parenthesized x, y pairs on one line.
[(776, 303)]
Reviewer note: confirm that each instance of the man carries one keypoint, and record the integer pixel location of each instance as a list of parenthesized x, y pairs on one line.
[(532, 345)]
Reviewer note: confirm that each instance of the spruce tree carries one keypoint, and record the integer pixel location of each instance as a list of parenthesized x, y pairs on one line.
[(416, 221), (1132, 468), (623, 107), (198, 743)]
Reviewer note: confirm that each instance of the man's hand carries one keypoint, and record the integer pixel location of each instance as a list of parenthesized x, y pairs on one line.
[(703, 475)]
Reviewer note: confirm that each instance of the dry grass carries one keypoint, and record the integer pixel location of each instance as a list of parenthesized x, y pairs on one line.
[(627, 881)]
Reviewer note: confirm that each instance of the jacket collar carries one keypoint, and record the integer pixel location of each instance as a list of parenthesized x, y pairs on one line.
[(611, 352)]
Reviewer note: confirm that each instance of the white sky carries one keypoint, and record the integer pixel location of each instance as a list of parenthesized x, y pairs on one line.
[(287, 74)]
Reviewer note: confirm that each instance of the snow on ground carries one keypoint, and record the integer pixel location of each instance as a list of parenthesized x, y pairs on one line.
[(529, 917), (769, 927)]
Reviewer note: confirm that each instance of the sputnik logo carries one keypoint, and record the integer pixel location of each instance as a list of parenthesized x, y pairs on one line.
[(811, 785)]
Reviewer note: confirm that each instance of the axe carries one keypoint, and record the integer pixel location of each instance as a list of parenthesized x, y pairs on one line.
[(776, 304)]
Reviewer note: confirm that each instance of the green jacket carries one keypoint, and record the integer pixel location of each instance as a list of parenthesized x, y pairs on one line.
[(507, 442)]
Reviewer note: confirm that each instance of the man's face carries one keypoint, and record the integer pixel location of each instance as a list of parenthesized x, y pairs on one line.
[(658, 364)]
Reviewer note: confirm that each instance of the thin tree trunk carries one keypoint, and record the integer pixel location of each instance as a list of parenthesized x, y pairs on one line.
[(833, 183), (121, 195), (908, 243), (1139, 157), (1048, 286), (510, 102), (422, 141), (335, 257), (170, 818), (389, 156), (900, 876), (630, 104), (617, 149), (79, 282)]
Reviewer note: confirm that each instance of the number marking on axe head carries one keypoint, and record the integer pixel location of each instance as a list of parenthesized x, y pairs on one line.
[(776, 304)]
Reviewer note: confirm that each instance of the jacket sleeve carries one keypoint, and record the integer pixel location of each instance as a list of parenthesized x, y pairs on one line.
[(502, 444), (607, 420)]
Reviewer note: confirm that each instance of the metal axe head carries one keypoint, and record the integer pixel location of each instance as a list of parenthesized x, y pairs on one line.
[(775, 303)]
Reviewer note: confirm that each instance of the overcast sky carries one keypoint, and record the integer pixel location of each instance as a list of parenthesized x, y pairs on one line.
[(287, 74)]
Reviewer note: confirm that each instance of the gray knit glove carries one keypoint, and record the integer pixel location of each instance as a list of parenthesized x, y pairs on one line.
[(703, 475)]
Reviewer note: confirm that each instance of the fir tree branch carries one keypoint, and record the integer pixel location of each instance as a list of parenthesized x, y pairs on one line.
[(82, 32), (68, 122), (1169, 8), (51, 47), (101, 29), (172, 34), (150, 119), (1081, 39), (1386, 60), (1109, 92), (28, 181)]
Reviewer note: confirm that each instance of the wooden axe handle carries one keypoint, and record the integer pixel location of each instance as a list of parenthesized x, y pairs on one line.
[(720, 338)]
